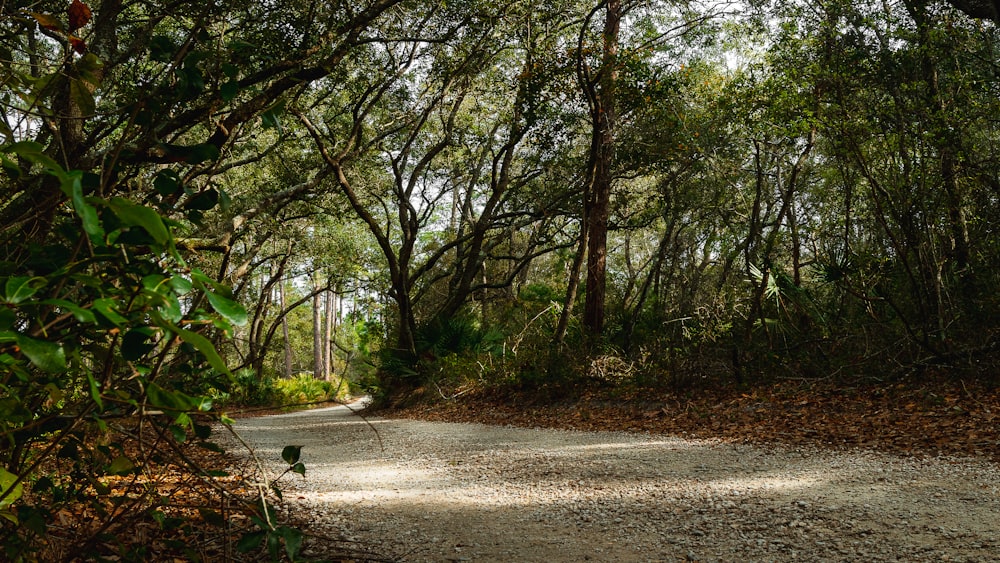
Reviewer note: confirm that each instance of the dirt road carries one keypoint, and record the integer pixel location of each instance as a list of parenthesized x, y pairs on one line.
[(465, 492)]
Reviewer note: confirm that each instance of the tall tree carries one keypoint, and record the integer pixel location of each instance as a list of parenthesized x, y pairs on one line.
[(436, 158), (599, 89)]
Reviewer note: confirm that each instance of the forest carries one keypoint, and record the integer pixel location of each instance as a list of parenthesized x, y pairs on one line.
[(200, 200)]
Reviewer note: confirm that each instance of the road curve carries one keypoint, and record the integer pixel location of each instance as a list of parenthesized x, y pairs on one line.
[(422, 491)]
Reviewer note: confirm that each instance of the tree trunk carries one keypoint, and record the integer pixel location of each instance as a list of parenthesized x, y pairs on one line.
[(329, 311), (571, 290), (285, 332), (318, 335), (597, 209)]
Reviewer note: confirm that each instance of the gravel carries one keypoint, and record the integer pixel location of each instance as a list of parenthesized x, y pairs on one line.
[(430, 491)]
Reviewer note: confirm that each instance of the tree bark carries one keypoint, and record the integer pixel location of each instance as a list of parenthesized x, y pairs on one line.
[(318, 334), (285, 332), (329, 312), (597, 208), (572, 288)]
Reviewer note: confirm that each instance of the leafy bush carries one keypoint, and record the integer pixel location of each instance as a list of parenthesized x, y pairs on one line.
[(306, 389), (102, 328), (249, 389)]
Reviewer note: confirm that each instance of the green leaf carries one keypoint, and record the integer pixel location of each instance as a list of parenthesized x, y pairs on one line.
[(35, 153), (167, 399), (250, 541), (205, 346), (7, 319), (34, 519), (212, 447), (121, 465), (168, 182), (231, 310), (13, 170), (79, 313), (90, 68), (162, 296), (270, 118), (153, 282), (299, 468), (181, 285), (8, 489), (95, 390), (197, 154), (161, 48), (212, 518), (202, 431), (291, 454), (141, 216), (12, 411), (135, 343), (8, 515), (203, 201), (293, 541), (80, 92), (72, 184), (47, 356), (17, 289), (202, 404), (229, 90), (180, 436), (201, 278), (273, 546), (107, 308)]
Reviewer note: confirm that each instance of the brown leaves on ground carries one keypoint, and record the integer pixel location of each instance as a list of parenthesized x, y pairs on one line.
[(931, 417), (169, 508)]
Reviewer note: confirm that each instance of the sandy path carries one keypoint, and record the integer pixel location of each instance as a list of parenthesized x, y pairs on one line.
[(465, 492)]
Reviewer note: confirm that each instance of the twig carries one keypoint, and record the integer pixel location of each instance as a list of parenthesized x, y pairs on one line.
[(971, 398), (262, 485), (378, 436)]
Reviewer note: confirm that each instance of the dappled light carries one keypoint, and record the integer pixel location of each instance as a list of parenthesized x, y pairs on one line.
[(488, 492)]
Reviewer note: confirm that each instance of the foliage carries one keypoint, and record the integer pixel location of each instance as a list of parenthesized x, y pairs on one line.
[(95, 339), (108, 326), (305, 389)]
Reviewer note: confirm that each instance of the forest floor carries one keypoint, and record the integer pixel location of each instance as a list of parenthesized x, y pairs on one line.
[(790, 472), (935, 416)]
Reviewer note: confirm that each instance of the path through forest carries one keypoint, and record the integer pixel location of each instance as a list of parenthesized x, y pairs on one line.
[(437, 491)]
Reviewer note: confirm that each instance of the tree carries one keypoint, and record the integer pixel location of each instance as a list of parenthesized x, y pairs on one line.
[(403, 148), (601, 99)]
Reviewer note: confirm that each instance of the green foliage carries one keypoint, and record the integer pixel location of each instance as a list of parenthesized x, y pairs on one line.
[(304, 389), (93, 331), (248, 389)]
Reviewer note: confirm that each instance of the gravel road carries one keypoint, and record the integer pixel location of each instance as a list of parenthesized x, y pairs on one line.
[(467, 492)]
